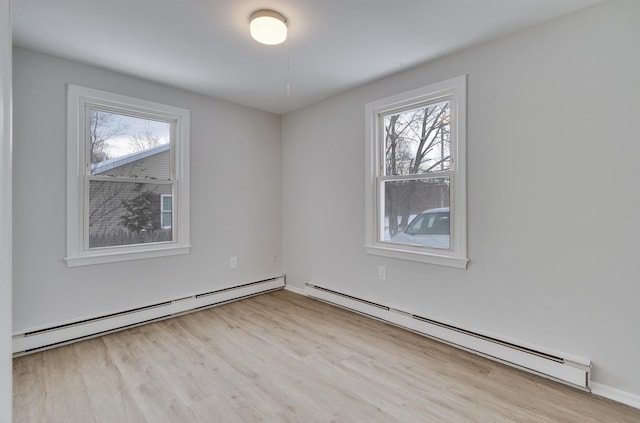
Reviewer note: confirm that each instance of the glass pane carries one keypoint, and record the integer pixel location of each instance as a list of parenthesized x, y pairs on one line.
[(166, 202), (166, 219), (125, 213), (129, 146), (166, 211), (418, 140), (417, 212)]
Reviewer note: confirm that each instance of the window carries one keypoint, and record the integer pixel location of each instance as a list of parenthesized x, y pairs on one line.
[(166, 211), (416, 175), (128, 178)]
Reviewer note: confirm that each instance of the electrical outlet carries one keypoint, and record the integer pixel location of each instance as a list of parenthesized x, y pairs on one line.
[(274, 258), (233, 262), (382, 273)]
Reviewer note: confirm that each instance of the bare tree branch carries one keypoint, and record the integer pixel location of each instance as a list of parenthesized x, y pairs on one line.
[(144, 141), (103, 126)]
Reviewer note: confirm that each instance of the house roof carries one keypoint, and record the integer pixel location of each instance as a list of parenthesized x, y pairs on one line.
[(106, 165)]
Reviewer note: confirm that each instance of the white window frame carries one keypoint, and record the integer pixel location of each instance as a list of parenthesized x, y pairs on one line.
[(454, 90), (162, 211), (78, 101)]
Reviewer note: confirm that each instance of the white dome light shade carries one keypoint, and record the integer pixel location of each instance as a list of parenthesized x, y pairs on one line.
[(268, 27)]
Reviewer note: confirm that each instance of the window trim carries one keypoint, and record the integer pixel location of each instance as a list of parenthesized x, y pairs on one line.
[(78, 254), (455, 89)]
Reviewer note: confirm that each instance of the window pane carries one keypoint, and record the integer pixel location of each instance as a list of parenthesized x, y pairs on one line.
[(166, 220), (166, 202), (418, 140), (166, 211), (128, 146), (125, 213), (417, 212)]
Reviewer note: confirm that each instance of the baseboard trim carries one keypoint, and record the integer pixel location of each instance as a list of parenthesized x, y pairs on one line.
[(617, 395), (55, 335), (295, 289), (558, 366)]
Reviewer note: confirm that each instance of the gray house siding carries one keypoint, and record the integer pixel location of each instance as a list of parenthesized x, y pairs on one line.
[(108, 199)]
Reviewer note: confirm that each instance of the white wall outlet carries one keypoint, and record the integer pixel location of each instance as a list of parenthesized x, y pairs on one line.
[(233, 262), (274, 258), (382, 273)]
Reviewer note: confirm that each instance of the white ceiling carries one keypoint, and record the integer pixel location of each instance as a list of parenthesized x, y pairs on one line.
[(204, 45)]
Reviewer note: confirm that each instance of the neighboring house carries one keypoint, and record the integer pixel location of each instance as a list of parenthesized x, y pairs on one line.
[(152, 163), (149, 200)]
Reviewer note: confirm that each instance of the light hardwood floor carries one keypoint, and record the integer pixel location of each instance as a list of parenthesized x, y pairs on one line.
[(282, 357)]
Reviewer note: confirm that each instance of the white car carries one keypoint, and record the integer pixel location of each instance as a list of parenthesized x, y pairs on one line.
[(431, 228)]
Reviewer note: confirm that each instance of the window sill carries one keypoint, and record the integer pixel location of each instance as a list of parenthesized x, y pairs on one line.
[(112, 256), (422, 257)]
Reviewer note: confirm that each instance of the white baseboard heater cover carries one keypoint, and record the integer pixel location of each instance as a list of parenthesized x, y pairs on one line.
[(48, 337), (565, 368)]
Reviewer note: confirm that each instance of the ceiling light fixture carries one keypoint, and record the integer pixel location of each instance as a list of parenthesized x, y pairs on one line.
[(268, 27)]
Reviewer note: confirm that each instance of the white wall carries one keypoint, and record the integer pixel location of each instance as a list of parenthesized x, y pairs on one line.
[(552, 193), (235, 199), (5, 212)]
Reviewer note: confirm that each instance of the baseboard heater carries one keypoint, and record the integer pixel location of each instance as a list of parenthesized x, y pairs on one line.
[(39, 339), (575, 371)]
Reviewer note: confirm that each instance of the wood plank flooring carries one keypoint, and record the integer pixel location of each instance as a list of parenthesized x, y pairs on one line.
[(282, 357)]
